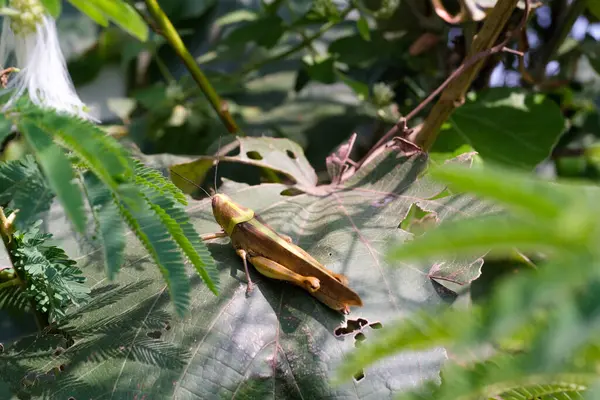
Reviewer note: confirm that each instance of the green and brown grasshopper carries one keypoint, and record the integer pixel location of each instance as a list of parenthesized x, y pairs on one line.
[(274, 255)]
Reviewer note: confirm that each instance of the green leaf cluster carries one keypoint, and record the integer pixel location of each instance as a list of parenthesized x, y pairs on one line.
[(92, 174), (54, 282), (537, 332)]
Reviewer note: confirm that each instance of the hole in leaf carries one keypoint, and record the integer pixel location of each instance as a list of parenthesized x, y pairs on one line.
[(58, 351), (376, 325), (351, 327), (154, 334), (290, 192), (254, 155), (445, 294), (290, 154), (61, 367), (167, 327), (360, 337), (445, 193), (1, 348), (359, 376), (71, 398), (418, 221)]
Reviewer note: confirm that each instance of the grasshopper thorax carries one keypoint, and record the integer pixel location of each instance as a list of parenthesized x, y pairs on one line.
[(228, 213)]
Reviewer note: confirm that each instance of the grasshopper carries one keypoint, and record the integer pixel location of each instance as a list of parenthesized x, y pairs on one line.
[(275, 256)]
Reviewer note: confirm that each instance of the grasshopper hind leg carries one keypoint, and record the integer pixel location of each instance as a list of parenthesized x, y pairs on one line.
[(275, 270), (244, 256)]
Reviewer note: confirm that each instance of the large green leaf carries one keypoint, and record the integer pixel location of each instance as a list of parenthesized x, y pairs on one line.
[(277, 343), (91, 11), (123, 15), (282, 155), (506, 126)]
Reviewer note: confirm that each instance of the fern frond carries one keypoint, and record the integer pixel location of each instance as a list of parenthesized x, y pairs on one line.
[(177, 221), (23, 187), (110, 228), (13, 175), (505, 377), (155, 237), (153, 178), (53, 280), (58, 171), (101, 153), (546, 391)]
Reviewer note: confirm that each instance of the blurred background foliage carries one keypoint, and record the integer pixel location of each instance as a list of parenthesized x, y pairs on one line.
[(317, 71)]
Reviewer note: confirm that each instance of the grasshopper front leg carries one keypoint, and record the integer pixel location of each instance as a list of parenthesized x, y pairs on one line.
[(244, 255), (215, 235), (275, 270)]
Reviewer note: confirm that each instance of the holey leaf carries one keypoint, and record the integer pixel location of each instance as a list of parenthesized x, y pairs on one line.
[(282, 155), (279, 342)]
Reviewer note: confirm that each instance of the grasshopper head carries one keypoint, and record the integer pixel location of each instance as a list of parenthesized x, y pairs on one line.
[(228, 213)]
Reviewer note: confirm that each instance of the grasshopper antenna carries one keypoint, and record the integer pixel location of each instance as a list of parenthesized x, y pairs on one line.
[(217, 166), (192, 182)]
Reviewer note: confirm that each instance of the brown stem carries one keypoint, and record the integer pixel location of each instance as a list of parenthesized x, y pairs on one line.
[(483, 46)]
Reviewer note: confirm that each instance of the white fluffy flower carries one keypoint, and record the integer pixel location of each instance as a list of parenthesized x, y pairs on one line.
[(32, 37)]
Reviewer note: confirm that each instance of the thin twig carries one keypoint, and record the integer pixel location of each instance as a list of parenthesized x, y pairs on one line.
[(168, 31)]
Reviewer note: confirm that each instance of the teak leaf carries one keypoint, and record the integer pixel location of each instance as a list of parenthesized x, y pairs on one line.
[(280, 341), (505, 125)]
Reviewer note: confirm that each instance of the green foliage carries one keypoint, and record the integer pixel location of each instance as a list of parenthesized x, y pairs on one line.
[(117, 189), (314, 72), (110, 229), (167, 202), (58, 170), (279, 333), (24, 188), (117, 11), (505, 125), (53, 7), (50, 279), (537, 312)]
